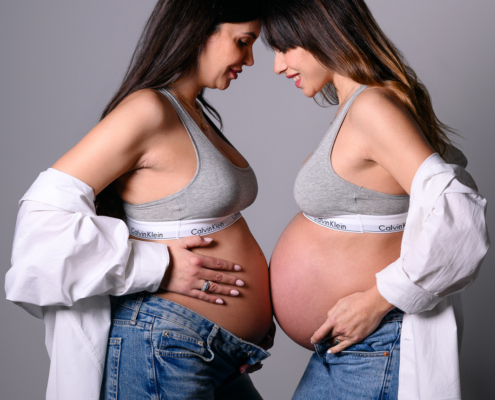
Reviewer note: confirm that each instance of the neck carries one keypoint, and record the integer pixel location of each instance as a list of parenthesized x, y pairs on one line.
[(344, 87), (188, 87)]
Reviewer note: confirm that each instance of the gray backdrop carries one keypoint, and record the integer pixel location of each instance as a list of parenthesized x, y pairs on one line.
[(61, 61)]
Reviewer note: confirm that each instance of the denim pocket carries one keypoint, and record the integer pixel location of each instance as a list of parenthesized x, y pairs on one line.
[(174, 344), (379, 344), (111, 382)]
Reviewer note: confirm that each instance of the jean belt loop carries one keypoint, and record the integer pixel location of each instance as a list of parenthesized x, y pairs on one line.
[(213, 334), (137, 307)]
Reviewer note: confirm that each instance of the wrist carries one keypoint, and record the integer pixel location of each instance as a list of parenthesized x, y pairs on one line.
[(379, 302)]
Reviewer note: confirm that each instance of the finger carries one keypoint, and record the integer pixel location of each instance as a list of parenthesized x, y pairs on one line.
[(218, 263), (205, 296), (220, 277), (190, 242), (322, 332), (250, 368), (221, 289), (344, 344), (243, 368)]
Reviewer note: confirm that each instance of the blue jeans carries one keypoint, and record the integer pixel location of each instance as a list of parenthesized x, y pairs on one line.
[(159, 349), (367, 370)]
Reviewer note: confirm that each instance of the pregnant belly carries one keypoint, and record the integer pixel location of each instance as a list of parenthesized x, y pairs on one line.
[(249, 315), (312, 267)]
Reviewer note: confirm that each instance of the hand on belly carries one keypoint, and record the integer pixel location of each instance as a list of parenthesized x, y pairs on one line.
[(312, 268)]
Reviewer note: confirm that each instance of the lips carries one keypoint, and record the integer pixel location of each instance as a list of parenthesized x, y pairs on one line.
[(235, 72), (296, 78)]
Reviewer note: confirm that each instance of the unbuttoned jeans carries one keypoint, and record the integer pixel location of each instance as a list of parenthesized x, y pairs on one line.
[(159, 349), (368, 370)]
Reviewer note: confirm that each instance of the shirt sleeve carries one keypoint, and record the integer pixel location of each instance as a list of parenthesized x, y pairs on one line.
[(445, 257), (61, 256)]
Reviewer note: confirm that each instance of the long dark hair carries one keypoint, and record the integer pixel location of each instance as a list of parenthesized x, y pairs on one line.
[(343, 36), (169, 48)]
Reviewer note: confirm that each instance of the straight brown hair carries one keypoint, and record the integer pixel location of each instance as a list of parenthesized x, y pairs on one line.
[(344, 37)]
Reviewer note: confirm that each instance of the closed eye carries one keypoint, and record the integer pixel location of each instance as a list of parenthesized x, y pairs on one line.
[(242, 44)]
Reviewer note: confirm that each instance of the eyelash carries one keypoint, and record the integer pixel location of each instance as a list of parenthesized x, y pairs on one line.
[(242, 44)]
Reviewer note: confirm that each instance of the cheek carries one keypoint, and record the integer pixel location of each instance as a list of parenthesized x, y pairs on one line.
[(231, 55), (319, 76), (210, 67), (222, 59)]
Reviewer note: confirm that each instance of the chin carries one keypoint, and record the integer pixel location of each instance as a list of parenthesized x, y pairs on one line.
[(309, 94), (224, 86)]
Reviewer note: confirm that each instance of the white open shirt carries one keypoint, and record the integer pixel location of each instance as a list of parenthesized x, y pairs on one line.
[(66, 260)]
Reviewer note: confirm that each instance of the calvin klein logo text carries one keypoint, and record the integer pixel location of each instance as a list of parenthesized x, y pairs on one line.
[(330, 224), (146, 234), (208, 229), (391, 228)]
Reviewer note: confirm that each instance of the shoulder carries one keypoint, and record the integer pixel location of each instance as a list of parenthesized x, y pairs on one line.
[(145, 111), (131, 129), (376, 105), (378, 115), (390, 135)]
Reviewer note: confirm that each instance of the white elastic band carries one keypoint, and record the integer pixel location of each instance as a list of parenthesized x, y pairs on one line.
[(363, 223), (179, 229)]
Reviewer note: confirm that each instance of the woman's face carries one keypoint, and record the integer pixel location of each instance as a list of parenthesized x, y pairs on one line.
[(226, 52), (298, 64)]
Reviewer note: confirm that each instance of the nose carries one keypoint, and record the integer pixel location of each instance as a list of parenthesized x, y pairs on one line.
[(279, 65), (249, 57)]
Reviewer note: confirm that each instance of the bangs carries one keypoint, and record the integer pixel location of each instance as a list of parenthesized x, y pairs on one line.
[(279, 29)]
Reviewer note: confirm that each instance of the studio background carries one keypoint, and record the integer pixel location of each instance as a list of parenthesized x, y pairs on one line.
[(61, 61)]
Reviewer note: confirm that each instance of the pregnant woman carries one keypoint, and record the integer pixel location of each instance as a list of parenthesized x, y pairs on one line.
[(365, 261), (157, 162)]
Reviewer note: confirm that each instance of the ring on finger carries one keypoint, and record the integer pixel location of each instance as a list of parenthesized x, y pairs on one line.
[(337, 341), (206, 286)]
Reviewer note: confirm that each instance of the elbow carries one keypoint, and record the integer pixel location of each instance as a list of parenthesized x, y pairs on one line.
[(26, 285)]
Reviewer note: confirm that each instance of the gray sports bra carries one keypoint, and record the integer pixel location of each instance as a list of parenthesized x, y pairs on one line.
[(320, 192), (218, 188)]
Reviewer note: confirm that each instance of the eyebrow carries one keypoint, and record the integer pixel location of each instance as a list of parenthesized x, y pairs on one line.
[(252, 34)]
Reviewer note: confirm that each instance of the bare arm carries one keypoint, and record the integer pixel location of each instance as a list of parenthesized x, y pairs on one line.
[(391, 138), (120, 143), (390, 135)]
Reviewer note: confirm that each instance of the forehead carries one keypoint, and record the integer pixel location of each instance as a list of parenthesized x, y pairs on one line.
[(241, 28)]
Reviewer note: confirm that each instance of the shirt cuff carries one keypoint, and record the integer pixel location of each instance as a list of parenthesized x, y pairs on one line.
[(396, 287), (147, 265)]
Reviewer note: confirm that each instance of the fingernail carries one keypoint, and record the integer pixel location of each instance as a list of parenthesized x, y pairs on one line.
[(238, 282), (234, 292), (237, 267), (329, 351), (208, 240), (219, 301)]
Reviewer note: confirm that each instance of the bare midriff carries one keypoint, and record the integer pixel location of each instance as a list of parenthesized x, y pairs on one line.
[(248, 315), (312, 267)]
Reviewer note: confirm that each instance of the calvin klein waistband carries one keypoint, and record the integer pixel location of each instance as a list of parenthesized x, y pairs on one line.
[(178, 229), (363, 223)]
